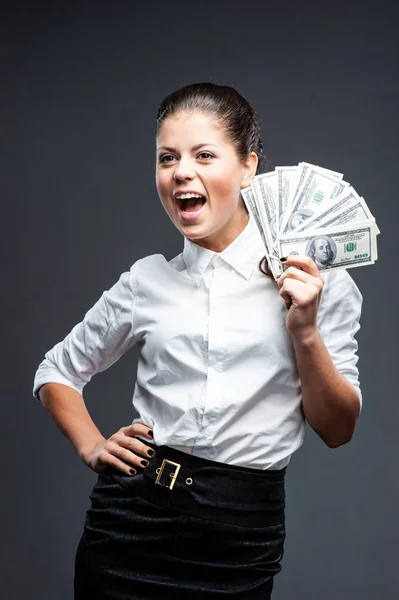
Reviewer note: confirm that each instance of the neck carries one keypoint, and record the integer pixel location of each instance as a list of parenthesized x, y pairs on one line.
[(219, 241)]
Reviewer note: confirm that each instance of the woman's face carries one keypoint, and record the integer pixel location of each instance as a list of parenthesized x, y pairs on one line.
[(193, 155)]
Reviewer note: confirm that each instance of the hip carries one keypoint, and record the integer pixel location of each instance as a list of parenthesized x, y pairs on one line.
[(183, 526)]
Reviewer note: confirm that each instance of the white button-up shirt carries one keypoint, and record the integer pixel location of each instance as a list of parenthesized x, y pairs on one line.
[(216, 375)]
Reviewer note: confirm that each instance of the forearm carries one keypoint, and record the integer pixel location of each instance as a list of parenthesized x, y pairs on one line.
[(68, 410), (331, 404)]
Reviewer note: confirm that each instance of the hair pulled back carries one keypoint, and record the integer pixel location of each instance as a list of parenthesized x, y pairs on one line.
[(237, 117), (235, 114)]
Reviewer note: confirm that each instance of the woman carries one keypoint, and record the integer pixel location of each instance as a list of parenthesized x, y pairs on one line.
[(189, 501)]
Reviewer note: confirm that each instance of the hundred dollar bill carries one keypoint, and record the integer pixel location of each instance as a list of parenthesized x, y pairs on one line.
[(303, 168), (323, 169), (317, 191), (287, 179), (356, 212), (336, 247), (250, 202), (348, 198), (348, 208), (265, 188), (351, 215)]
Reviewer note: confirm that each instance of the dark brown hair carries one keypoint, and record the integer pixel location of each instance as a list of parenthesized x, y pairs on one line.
[(237, 117)]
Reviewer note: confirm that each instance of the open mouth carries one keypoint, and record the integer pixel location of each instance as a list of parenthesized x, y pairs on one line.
[(190, 203)]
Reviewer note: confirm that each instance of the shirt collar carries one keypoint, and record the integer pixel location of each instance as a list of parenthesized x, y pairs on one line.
[(244, 252)]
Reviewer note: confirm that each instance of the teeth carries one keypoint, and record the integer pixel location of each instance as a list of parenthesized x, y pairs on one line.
[(185, 196)]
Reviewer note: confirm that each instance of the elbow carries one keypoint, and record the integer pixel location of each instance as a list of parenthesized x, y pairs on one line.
[(337, 442), (340, 438), (343, 430)]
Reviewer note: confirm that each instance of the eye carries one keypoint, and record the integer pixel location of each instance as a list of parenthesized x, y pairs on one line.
[(205, 155), (163, 157)]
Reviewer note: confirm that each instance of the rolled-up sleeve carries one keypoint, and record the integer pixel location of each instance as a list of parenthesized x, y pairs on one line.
[(339, 321), (99, 340)]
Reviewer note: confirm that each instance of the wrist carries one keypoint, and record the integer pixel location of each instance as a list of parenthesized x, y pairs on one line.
[(306, 337), (86, 451)]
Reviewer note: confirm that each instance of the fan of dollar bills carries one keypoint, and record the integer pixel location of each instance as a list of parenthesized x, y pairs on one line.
[(309, 210)]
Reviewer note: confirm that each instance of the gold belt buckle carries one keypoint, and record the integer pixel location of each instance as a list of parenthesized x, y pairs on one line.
[(172, 476)]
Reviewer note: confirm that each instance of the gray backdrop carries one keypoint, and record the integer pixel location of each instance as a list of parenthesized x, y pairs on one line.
[(81, 83)]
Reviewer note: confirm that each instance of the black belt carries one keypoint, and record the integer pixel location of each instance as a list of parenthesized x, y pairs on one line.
[(217, 483)]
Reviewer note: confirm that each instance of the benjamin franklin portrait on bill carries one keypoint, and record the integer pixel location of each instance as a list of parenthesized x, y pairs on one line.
[(322, 250)]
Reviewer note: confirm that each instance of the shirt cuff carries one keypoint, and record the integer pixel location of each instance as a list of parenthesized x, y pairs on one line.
[(54, 378)]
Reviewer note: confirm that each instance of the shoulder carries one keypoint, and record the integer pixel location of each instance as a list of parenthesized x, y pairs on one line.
[(152, 260), (147, 264), (152, 266), (156, 261)]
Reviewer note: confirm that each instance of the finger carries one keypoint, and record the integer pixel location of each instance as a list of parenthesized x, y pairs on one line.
[(132, 439), (138, 429), (303, 276), (118, 464), (296, 273), (287, 299), (108, 459), (301, 294), (133, 444), (305, 262), (127, 456), (138, 446)]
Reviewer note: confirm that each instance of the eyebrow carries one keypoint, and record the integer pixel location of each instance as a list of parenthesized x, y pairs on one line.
[(197, 147)]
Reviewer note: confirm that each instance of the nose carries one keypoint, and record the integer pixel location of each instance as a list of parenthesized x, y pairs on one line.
[(183, 170)]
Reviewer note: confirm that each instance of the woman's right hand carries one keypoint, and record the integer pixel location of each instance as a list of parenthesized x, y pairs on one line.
[(122, 450)]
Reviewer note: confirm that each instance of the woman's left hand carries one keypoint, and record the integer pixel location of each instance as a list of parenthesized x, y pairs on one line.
[(301, 290)]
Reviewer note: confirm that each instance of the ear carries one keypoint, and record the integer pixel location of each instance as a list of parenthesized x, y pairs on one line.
[(249, 169)]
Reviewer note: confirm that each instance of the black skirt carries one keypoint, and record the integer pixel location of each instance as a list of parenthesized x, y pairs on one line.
[(183, 528)]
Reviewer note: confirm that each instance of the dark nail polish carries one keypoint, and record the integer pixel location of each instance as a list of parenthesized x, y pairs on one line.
[(132, 471), (150, 433), (144, 463), (151, 452), (283, 259)]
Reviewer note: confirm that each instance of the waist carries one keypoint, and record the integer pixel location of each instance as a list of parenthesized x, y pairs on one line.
[(253, 430), (216, 484), (251, 450), (208, 489)]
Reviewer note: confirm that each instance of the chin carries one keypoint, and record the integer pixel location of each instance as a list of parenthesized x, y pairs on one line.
[(192, 235)]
